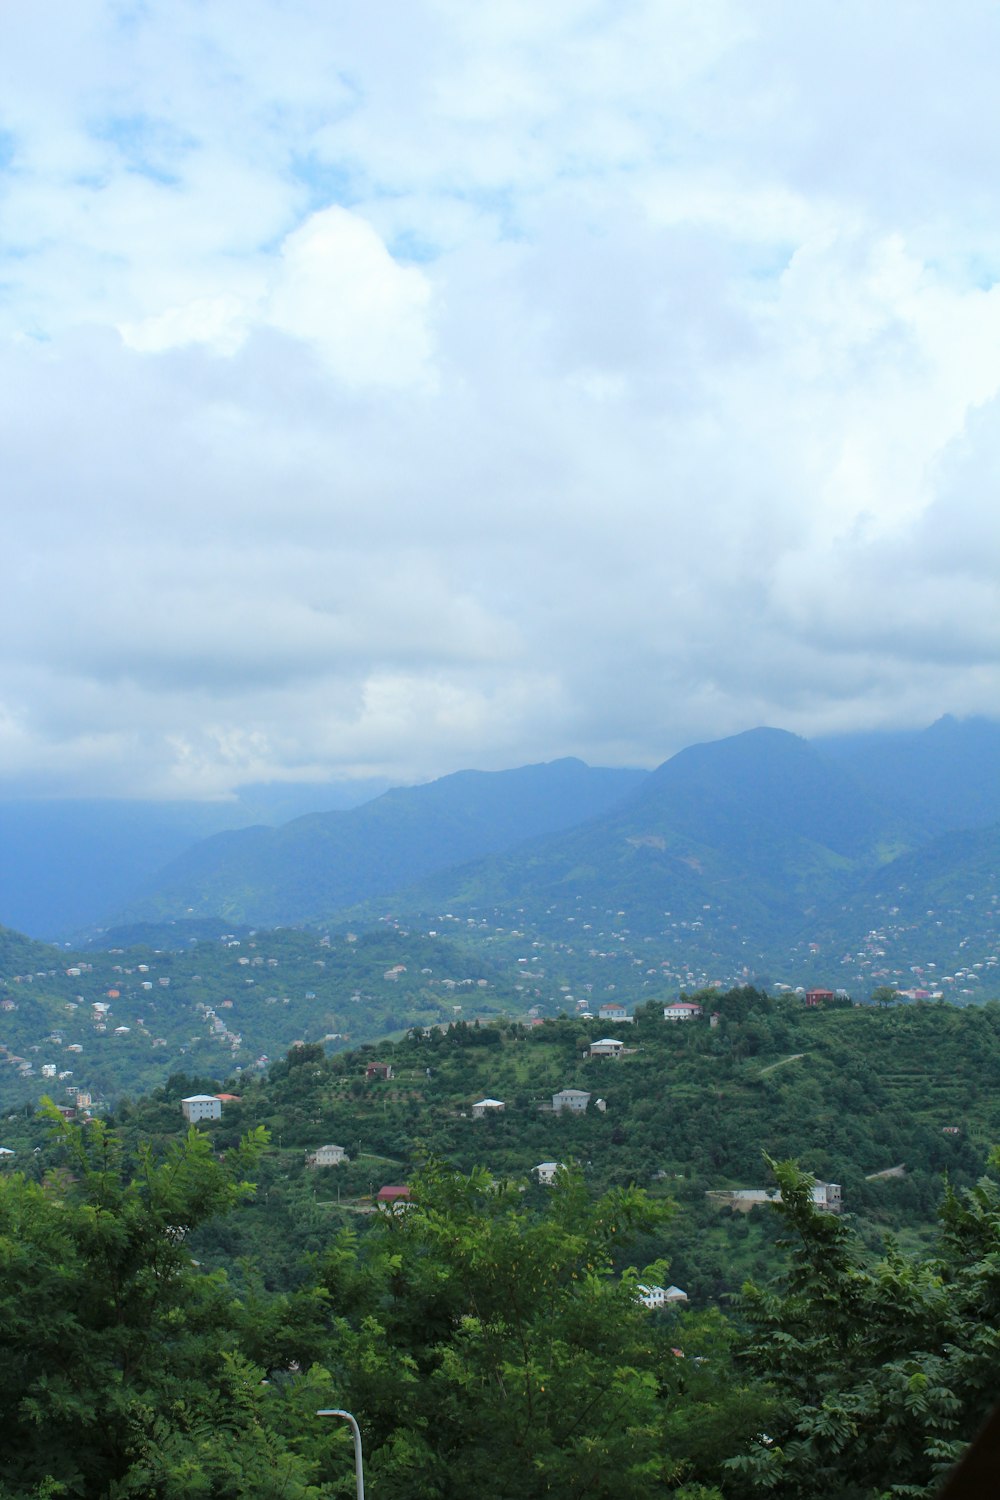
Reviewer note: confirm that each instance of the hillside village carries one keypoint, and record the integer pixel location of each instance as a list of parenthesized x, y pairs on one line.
[(748, 861), (123, 1020), (876, 1102)]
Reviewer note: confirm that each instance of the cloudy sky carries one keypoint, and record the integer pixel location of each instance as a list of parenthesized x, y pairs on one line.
[(394, 387)]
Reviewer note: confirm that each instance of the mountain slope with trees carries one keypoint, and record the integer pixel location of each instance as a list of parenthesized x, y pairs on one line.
[(689, 1109), (311, 867), (945, 775), (729, 847)]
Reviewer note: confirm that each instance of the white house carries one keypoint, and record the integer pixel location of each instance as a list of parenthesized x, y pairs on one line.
[(327, 1156), (487, 1107), (575, 1100), (546, 1171), (612, 1010), (201, 1107), (825, 1195), (608, 1046), (681, 1010), (659, 1296)]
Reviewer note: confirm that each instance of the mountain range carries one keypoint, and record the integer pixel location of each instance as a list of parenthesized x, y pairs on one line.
[(751, 853), (316, 865)]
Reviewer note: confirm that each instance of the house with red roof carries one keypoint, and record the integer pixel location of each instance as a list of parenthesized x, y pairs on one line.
[(394, 1198)]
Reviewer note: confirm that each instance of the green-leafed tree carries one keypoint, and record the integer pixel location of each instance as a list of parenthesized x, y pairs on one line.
[(884, 1371), (492, 1351), (121, 1374)]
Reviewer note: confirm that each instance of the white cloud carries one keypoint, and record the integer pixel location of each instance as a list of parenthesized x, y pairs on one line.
[(335, 287), (339, 289), (466, 385)]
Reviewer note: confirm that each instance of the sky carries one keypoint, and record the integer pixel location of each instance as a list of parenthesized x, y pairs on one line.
[(393, 388)]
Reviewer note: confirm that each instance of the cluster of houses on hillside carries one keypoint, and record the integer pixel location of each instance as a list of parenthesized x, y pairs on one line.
[(573, 1101), (690, 1010)]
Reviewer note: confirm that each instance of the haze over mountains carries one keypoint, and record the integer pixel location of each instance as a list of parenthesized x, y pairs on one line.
[(742, 850), (316, 865), (68, 864)]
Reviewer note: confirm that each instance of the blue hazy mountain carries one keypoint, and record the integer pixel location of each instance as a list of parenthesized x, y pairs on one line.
[(948, 776), (744, 836), (761, 828), (315, 865), (66, 863)]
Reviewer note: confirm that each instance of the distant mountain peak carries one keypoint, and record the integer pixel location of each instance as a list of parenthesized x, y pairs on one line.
[(748, 744)]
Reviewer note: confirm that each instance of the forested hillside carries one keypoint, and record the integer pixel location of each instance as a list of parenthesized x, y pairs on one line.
[(757, 858), (489, 1336), (315, 865), (121, 1020), (688, 1110), (945, 774)]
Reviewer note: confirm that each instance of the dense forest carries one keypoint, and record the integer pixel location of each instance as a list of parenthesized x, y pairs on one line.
[(180, 1303)]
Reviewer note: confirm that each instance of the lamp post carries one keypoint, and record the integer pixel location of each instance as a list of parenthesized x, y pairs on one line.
[(334, 1411)]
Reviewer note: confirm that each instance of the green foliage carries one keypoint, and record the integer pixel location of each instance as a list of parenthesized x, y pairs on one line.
[(314, 865), (848, 1092), (883, 1370), (489, 1339), (121, 1374), (493, 1352)]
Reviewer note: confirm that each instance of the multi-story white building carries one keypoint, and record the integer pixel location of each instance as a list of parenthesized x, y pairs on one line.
[(327, 1156), (575, 1100), (201, 1107)]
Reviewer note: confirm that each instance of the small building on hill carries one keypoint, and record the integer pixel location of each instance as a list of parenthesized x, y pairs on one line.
[(681, 1010), (819, 997), (545, 1172), (484, 1107), (659, 1296), (394, 1198), (608, 1046), (379, 1070), (613, 1010), (201, 1107), (327, 1156), (825, 1196), (574, 1100)]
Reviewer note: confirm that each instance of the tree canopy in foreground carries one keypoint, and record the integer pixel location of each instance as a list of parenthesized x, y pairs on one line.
[(489, 1340)]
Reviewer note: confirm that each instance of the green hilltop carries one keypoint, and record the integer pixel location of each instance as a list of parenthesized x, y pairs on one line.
[(689, 1109), (219, 1289)]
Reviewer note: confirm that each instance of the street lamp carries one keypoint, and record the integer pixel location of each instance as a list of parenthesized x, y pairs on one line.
[(334, 1411)]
